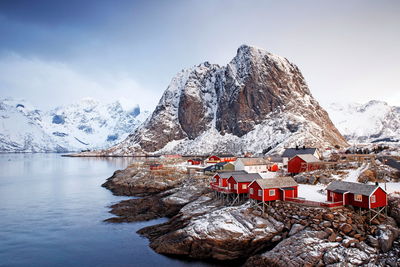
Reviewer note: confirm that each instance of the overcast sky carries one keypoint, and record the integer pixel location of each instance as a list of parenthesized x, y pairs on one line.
[(56, 52)]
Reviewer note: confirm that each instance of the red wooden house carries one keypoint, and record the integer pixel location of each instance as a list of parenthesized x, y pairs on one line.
[(217, 159), (238, 183), (195, 161), (219, 182), (356, 194), (278, 188), (302, 163)]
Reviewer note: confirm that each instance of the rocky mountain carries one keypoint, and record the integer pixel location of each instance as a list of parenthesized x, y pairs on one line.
[(87, 124), (258, 102), (375, 121)]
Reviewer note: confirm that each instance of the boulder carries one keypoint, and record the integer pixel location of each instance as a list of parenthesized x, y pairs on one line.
[(386, 234), (346, 228), (295, 229), (306, 248)]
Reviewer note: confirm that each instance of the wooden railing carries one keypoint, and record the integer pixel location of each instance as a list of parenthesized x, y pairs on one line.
[(220, 189), (315, 203)]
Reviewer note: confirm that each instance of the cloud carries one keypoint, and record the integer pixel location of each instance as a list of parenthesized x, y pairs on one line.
[(48, 83)]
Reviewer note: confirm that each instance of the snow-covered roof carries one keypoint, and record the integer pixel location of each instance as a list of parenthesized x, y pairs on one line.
[(354, 188), (278, 182), (253, 161), (308, 158), (291, 152)]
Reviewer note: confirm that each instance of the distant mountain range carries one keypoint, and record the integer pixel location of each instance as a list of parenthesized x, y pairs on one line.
[(257, 103), (87, 124), (373, 122)]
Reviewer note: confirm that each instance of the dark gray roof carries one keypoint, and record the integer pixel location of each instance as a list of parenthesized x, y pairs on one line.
[(246, 177), (229, 174), (340, 191), (278, 182), (221, 163), (209, 168), (354, 188), (291, 152)]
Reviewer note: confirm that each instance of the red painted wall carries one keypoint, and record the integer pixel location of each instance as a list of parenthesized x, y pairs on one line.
[(224, 182), (381, 198), (278, 194), (228, 159), (337, 197), (255, 187), (231, 184), (362, 204), (290, 193), (294, 165), (240, 189), (216, 177)]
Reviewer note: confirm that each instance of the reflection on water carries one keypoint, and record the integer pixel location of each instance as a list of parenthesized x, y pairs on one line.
[(52, 210)]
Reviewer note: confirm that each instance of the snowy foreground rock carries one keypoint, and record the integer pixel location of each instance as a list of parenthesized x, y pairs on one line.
[(286, 234), (259, 102)]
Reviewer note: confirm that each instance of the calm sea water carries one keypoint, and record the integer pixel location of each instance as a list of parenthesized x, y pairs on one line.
[(52, 210)]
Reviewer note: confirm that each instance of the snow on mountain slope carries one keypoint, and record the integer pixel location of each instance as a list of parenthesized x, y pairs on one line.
[(258, 102), (87, 124), (20, 130), (375, 121)]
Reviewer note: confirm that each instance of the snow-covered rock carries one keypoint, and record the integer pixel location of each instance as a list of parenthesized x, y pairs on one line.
[(259, 102), (87, 124), (375, 121)]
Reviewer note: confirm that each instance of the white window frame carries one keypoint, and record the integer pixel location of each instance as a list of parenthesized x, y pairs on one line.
[(251, 191), (358, 200), (373, 199), (260, 193), (272, 192), (244, 186), (235, 186), (332, 195)]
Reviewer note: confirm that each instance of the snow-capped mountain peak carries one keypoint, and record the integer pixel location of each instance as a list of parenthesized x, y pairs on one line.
[(257, 102)]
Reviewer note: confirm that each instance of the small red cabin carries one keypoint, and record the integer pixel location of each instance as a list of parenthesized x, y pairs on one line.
[(219, 181), (217, 159), (278, 188), (238, 183), (303, 163), (356, 194), (154, 167), (194, 161)]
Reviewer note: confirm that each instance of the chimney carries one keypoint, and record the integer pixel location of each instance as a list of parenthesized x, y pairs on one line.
[(297, 147), (376, 183), (304, 147)]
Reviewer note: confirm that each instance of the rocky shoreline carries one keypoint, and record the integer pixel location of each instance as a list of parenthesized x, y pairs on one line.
[(202, 227)]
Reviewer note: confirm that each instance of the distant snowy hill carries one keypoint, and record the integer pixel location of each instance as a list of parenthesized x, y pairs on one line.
[(375, 121), (259, 102), (87, 124)]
